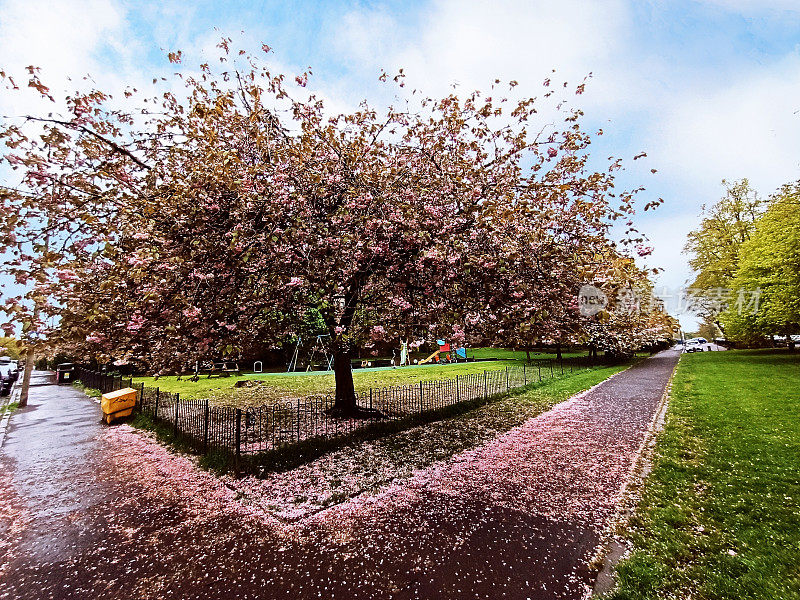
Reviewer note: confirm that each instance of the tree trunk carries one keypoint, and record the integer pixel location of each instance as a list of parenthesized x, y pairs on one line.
[(721, 328), (558, 351), (528, 354), (345, 402), (26, 378)]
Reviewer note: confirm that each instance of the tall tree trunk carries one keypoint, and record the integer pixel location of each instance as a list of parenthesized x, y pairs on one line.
[(528, 353), (345, 402), (721, 328), (26, 378), (558, 351)]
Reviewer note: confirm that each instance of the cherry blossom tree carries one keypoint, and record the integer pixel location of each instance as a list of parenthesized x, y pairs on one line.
[(205, 222)]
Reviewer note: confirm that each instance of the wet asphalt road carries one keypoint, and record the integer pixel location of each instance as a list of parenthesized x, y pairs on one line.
[(72, 525)]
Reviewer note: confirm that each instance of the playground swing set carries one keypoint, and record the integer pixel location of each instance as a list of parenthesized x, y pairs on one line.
[(320, 348)]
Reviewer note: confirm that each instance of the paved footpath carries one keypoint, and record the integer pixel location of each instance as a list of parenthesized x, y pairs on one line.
[(88, 511)]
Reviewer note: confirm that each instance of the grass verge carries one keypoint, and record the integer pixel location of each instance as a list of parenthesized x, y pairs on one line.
[(91, 392), (720, 512), (9, 408)]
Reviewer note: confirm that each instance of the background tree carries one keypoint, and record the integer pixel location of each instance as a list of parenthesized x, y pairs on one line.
[(707, 330), (714, 247), (765, 298), (633, 317), (10, 346)]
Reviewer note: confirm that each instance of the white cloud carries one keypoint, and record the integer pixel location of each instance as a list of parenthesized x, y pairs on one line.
[(61, 37), (473, 42), (67, 40), (748, 128)]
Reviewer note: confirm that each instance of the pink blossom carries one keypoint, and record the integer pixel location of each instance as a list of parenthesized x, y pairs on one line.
[(135, 323), (192, 313), (67, 275)]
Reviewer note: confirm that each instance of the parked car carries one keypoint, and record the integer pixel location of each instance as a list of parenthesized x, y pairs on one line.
[(6, 380), (695, 345), (12, 365)]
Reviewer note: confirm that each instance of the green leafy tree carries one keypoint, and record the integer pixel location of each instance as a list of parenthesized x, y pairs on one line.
[(765, 298), (10, 346), (714, 247), (707, 330)]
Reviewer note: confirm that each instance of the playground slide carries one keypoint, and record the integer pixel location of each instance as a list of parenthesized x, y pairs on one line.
[(430, 358)]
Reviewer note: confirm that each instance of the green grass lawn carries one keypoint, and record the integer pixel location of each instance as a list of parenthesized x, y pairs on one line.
[(518, 355), (720, 513), (303, 384)]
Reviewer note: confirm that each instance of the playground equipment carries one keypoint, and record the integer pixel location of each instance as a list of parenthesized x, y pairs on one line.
[(444, 348), (320, 346), (258, 367), (211, 368)]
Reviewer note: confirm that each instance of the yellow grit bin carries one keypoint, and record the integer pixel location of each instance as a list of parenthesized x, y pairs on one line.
[(117, 405)]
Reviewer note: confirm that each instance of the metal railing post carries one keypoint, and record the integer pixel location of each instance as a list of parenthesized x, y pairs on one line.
[(205, 427), (238, 438), (177, 402)]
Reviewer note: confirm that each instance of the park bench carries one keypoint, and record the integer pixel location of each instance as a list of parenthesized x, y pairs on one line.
[(219, 369)]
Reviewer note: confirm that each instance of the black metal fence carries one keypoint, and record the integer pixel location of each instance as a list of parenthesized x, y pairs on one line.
[(286, 422)]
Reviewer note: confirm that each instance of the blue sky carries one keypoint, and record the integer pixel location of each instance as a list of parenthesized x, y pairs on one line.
[(710, 89)]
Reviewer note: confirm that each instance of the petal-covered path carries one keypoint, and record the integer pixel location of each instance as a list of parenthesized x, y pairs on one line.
[(88, 511)]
